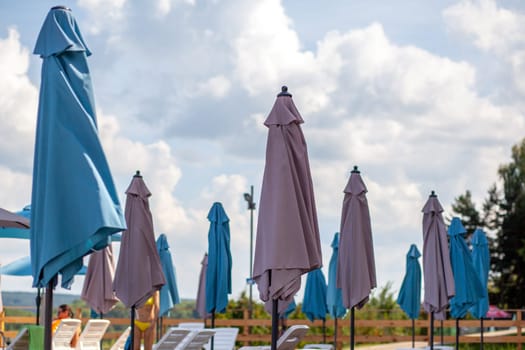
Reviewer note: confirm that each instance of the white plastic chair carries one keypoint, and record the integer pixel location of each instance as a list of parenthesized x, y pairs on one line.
[(224, 338), (21, 341), (288, 341), (92, 334), (196, 340), (64, 333), (121, 341), (173, 337)]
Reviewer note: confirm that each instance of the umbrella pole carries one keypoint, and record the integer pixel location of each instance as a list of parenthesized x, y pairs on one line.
[(352, 327), (481, 342), (413, 333), (212, 326), (431, 330), (275, 324), (457, 333), (132, 333), (441, 331), (48, 315), (324, 330), (335, 334), (38, 301)]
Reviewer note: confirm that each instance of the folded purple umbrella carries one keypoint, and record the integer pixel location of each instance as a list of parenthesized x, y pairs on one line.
[(200, 302), (97, 290), (8, 219), (287, 243)]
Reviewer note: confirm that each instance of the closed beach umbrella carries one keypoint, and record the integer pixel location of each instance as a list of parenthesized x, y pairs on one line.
[(200, 301), (97, 290), (169, 293), (468, 286), (481, 261), (139, 271), (74, 203), (334, 296), (314, 300), (287, 242), (437, 271), (219, 274), (409, 298), (356, 272)]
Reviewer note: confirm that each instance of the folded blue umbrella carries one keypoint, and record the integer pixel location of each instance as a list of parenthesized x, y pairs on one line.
[(15, 232), (169, 294), (481, 261), (314, 300), (334, 296), (219, 273), (469, 289), (409, 298), (22, 267), (74, 205)]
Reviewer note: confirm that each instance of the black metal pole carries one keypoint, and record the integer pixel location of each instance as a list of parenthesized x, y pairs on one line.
[(48, 317), (413, 333), (457, 333), (432, 330), (251, 206), (212, 326), (324, 330), (352, 328), (275, 324), (441, 331), (335, 334), (38, 301), (481, 342), (132, 333)]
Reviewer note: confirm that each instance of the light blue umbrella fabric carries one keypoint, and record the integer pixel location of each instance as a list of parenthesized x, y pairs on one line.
[(481, 261), (219, 273), (334, 296), (314, 300), (409, 298), (22, 267), (468, 286), (169, 293), (15, 232), (75, 207)]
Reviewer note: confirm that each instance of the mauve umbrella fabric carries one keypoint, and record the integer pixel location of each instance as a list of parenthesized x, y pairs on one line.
[(200, 302), (169, 293), (468, 286), (139, 272), (356, 272), (287, 242), (334, 295), (481, 261), (23, 231), (314, 300), (409, 298), (97, 290), (74, 205), (219, 272), (9, 219), (437, 271)]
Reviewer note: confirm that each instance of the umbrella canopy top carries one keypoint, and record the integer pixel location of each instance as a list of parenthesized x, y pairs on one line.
[(9, 219), (409, 298), (287, 242), (169, 293), (75, 206)]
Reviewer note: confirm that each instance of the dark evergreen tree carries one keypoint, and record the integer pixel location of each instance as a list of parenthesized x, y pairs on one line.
[(465, 209)]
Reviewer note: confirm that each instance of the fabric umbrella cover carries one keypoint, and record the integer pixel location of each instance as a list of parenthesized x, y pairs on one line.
[(481, 261), (356, 272), (409, 298), (97, 290), (22, 267), (468, 286), (200, 302), (334, 295), (219, 274), (139, 271), (290, 307), (287, 243), (314, 300), (18, 232), (9, 219), (75, 207), (169, 293), (437, 272)]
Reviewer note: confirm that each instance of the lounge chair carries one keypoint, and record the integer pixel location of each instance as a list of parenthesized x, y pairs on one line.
[(196, 339), (288, 341), (173, 337), (121, 341), (64, 333), (319, 346), (191, 325), (224, 338), (92, 334)]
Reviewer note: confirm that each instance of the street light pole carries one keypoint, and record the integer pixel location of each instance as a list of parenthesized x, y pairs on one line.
[(248, 197)]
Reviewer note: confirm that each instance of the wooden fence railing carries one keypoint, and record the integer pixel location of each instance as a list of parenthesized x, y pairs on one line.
[(378, 331)]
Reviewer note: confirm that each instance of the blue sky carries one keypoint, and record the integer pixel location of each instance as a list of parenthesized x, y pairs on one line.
[(420, 95)]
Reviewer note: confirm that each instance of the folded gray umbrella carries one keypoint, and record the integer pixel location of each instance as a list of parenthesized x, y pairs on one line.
[(200, 302)]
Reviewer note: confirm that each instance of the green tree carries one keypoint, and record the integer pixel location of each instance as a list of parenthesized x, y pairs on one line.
[(465, 209)]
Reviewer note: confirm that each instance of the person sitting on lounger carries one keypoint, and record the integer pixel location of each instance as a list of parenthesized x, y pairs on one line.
[(64, 311), (146, 317)]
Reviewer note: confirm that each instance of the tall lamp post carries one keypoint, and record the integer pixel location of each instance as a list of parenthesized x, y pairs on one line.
[(248, 197)]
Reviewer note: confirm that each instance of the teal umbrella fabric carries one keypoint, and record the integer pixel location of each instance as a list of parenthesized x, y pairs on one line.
[(314, 300), (289, 309), (22, 267), (169, 293), (468, 286), (334, 296), (219, 273), (481, 261), (75, 206), (18, 230), (409, 298)]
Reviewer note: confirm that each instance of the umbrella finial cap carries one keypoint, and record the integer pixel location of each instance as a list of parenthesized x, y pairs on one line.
[(433, 193), (284, 92), (355, 170), (60, 7), (137, 174)]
